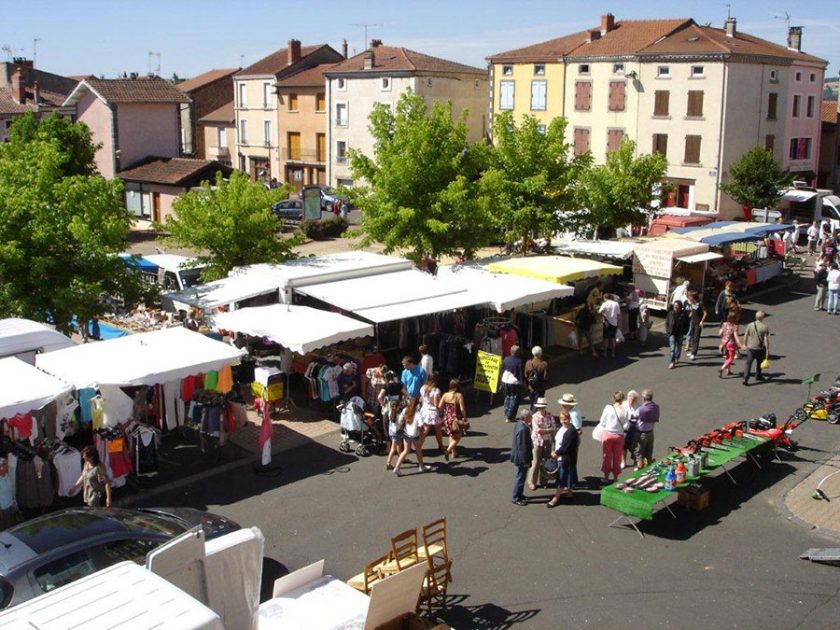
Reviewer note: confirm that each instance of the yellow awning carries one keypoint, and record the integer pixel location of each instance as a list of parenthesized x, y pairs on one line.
[(557, 269)]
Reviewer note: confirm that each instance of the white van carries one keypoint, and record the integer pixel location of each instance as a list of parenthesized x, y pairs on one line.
[(805, 205), (169, 271)]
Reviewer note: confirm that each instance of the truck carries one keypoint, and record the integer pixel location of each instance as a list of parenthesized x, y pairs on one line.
[(805, 205), (169, 271)]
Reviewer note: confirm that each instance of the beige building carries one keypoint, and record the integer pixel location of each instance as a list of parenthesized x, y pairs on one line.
[(219, 131), (381, 75), (258, 112)]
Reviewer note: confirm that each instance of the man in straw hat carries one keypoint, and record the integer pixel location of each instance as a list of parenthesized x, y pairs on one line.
[(569, 403)]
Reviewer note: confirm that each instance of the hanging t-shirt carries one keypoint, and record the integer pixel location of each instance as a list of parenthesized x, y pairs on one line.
[(97, 412), (24, 424), (210, 380), (68, 464), (84, 404), (188, 387), (7, 492), (225, 382)]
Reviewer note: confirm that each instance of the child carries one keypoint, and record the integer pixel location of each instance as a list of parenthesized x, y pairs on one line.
[(411, 430)]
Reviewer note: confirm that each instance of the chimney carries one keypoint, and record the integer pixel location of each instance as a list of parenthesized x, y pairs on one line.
[(375, 43), (294, 51), (607, 23), (594, 35), (23, 62), (36, 92), (344, 49), (369, 59), (729, 27), (18, 87), (795, 38)]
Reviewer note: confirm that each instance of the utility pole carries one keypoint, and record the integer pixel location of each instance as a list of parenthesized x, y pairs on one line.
[(35, 51), (366, 26)]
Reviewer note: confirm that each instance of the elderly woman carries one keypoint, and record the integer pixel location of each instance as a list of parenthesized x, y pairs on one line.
[(543, 427), (614, 421), (566, 455), (348, 382)]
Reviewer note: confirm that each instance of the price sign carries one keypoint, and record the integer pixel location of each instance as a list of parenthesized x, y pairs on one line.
[(487, 372)]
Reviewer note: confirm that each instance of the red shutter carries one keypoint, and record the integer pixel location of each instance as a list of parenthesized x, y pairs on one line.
[(614, 137), (578, 95), (588, 102), (616, 96), (620, 97)]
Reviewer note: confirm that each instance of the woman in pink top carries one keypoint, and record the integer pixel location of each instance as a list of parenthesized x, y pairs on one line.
[(730, 341)]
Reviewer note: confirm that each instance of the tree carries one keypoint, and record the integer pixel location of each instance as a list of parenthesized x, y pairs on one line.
[(420, 193), (61, 225), (531, 180), (230, 224), (621, 191), (756, 180)]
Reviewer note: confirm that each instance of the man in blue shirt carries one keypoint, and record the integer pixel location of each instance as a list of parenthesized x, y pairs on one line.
[(413, 377)]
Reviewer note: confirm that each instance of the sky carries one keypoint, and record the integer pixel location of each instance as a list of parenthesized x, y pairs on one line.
[(109, 37)]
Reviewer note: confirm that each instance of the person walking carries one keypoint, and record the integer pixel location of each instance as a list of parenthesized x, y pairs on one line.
[(680, 294), (614, 422), (730, 342), (584, 320), (96, 488), (696, 317), (543, 428), (757, 342), (829, 249), (536, 375), (521, 454), (610, 310), (455, 422), (821, 280), (566, 454), (427, 361), (676, 325), (396, 424), (411, 434), (430, 417), (512, 377), (833, 282), (812, 234), (413, 376), (631, 404), (722, 302), (645, 322), (633, 306), (648, 417), (390, 400)]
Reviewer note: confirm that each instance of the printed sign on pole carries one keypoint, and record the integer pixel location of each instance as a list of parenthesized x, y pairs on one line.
[(487, 372)]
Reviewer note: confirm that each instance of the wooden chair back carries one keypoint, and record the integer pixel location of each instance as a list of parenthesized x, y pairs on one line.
[(435, 586), (404, 549), (372, 574), (434, 538)]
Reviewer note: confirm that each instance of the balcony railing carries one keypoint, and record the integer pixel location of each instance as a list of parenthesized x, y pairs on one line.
[(293, 155), (218, 152)]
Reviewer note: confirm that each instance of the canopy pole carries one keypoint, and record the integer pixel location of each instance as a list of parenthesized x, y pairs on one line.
[(376, 329)]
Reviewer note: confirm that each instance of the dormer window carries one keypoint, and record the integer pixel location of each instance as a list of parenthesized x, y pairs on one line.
[(663, 72), (507, 71), (583, 68), (539, 69), (618, 68), (386, 84), (696, 72)]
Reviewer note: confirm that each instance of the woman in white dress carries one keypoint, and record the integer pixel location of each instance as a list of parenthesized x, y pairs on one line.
[(430, 416)]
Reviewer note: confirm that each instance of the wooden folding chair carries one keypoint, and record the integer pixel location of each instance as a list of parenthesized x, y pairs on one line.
[(434, 541), (435, 586), (404, 552), (370, 576)]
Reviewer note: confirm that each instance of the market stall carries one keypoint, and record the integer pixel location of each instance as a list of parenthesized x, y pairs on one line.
[(25, 338), (236, 291), (26, 388), (661, 264), (598, 249)]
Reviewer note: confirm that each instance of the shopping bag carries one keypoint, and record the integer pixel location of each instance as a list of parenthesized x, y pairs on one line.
[(619, 336), (598, 433), (573, 340), (765, 365)]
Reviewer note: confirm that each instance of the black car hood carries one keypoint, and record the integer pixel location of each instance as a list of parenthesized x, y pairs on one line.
[(213, 525)]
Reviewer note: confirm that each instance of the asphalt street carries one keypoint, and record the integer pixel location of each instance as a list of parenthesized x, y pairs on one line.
[(733, 565)]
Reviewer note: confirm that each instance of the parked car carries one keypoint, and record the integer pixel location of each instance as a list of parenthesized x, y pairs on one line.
[(329, 195), (290, 210), (53, 550)]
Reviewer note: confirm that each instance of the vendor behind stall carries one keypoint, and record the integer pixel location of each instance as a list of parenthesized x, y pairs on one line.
[(348, 382)]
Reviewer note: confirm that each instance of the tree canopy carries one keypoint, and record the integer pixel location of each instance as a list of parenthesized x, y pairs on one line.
[(230, 223), (756, 179), (420, 191), (61, 225)]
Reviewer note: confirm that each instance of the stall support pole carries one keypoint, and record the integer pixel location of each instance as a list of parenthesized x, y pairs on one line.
[(632, 524)]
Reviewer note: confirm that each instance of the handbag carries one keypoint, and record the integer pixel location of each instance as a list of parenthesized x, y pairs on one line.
[(619, 336), (598, 433)]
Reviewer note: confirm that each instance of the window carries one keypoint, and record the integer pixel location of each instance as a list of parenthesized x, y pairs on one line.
[(616, 101), (661, 100), (800, 149), (507, 71), (293, 102), (581, 145), (321, 143), (798, 76), (539, 69), (320, 102), (541, 129), (293, 144), (774, 76), (65, 570), (663, 71), (538, 91), (769, 142), (809, 108), (341, 151), (267, 132), (772, 104), (267, 96), (618, 68), (222, 138), (583, 68), (428, 83), (696, 71), (341, 83), (797, 105), (614, 137), (695, 104), (243, 95), (243, 132), (341, 118), (812, 78), (660, 143), (386, 84), (506, 93), (692, 150), (583, 96)]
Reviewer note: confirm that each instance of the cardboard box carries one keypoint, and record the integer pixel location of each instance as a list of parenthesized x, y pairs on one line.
[(693, 497)]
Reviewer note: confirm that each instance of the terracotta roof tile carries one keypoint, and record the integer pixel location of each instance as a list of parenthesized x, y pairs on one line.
[(398, 59), (276, 61), (204, 79), (171, 171), (8, 105), (225, 114), (311, 77), (140, 90), (629, 37), (549, 51), (830, 112)]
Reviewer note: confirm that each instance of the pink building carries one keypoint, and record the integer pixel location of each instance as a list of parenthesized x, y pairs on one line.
[(133, 119)]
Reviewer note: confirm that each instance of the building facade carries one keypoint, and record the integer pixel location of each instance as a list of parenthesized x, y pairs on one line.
[(381, 75), (829, 167), (219, 130), (207, 92), (23, 89)]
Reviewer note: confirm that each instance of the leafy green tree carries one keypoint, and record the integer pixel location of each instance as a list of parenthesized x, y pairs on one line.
[(420, 193), (61, 225), (621, 191), (756, 180), (230, 223), (531, 179)]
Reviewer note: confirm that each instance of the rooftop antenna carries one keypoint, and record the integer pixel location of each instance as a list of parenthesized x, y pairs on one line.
[(728, 11), (10, 51), (784, 15), (156, 70), (241, 61), (35, 51), (366, 26)]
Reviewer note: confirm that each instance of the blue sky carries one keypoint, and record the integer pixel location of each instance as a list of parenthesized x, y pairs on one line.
[(111, 36)]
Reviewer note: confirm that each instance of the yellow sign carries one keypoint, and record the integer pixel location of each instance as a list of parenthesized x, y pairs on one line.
[(487, 372)]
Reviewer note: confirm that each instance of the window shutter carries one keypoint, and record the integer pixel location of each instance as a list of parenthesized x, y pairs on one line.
[(660, 143), (769, 142), (692, 150), (772, 103), (614, 137), (581, 141), (695, 103), (579, 97), (587, 105), (660, 107), (616, 96)]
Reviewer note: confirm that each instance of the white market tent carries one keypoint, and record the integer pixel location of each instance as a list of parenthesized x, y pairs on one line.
[(26, 388), (502, 291), (228, 290), (23, 336), (607, 249), (299, 328), (142, 359)]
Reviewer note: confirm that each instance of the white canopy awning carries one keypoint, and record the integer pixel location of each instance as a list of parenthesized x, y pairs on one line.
[(142, 359), (695, 258), (26, 388), (798, 195), (392, 296), (228, 290), (23, 335), (299, 328), (608, 249), (502, 291)]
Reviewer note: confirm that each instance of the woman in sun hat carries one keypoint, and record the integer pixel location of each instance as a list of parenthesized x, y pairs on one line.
[(543, 428), (568, 403)]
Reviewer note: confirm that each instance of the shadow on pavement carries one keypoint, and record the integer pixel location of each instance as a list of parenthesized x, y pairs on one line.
[(485, 616), (271, 570)]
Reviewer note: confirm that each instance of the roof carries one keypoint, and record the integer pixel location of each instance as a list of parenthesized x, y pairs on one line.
[(9, 105), (399, 59), (205, 79), (171, 171), (311, 77), (225, 114), (628, 37), (559, 269), (26, 388), (830, 112), (139, 90), (23, 335), (551, 50), (276, 61)]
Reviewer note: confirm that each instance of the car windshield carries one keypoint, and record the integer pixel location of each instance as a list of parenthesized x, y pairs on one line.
[(190, 277), (149, 523)]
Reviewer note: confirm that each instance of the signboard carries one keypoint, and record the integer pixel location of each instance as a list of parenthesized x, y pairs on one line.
[(312, 203), (487, 372)]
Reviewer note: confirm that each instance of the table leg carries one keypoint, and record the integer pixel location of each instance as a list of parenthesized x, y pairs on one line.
[(670, 511), (728, 474), (754, 460), (632, 524), (776, 454)]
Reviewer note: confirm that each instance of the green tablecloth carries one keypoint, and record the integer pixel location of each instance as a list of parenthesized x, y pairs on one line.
[(641, 503)]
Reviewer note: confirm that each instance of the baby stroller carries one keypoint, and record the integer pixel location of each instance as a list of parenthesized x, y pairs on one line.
[(549, 465), (354, 428)]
